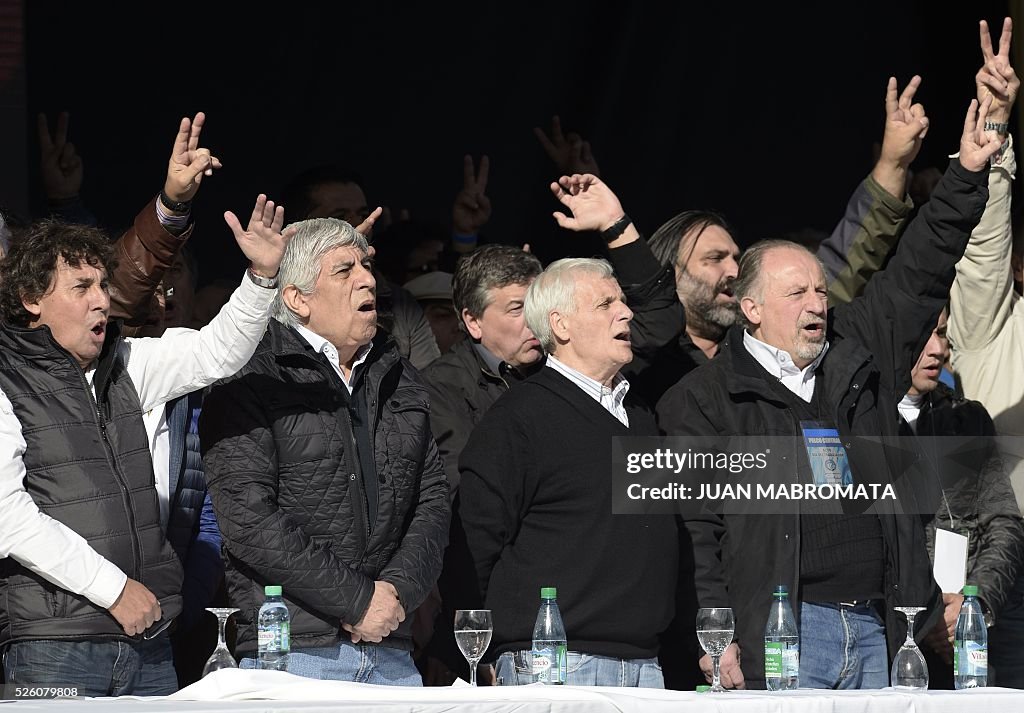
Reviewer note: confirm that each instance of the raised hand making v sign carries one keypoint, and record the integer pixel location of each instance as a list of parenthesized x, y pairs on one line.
[(472, 207), (905, 128), (996, 79), (188, 163)]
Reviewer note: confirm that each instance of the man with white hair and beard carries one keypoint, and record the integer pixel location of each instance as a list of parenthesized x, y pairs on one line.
[(798, 367), (536, 477)]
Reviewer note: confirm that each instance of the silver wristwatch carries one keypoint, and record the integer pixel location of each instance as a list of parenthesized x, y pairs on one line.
[(269, 283), (1001, 127)]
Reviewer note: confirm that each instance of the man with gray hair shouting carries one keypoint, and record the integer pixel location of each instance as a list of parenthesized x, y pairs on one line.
[(537, 494), (323, 471)]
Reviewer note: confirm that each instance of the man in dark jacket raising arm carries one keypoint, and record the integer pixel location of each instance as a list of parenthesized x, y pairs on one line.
[(845, 370), (324, 475)]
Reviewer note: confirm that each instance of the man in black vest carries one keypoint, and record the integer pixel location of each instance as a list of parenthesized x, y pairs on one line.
[(89, 580)]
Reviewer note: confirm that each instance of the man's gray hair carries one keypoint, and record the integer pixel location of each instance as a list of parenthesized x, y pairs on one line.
[(554, 290), (300, 265)]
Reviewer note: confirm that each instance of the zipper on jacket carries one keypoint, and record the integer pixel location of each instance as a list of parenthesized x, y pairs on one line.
[(126, 495), (354, 453)]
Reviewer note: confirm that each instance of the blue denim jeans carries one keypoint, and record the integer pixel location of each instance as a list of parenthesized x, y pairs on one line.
[(352, 662), (842, 647), (95, 668), (589, 670)]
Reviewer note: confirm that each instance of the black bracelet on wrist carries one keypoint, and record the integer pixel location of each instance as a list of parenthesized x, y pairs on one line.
[(174, 206), (616, 229)]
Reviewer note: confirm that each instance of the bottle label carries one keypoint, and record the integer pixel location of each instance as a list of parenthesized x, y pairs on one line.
[(773, 659), (781, 660), (275, 638), (971, 659), (549, 665)]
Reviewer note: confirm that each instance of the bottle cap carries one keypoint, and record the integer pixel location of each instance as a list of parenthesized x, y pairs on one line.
[(781, 592), (272, 590), (703, 688), (970, 590), (548, 592)]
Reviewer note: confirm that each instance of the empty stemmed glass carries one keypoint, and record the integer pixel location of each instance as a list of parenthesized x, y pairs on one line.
[(473, 630), (909, 670), (221, 656), (715, 629)]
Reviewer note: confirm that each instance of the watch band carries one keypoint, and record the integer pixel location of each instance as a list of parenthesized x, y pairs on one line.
[(269, 283), (616, 229), (1002, 127), (174, 206)]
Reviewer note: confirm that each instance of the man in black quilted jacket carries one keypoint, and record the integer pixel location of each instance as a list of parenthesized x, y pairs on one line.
[(324, 475)]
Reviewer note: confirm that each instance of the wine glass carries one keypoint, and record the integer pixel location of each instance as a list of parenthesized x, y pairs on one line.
[(473, 631), (221, 656), (715, 628), (909, 670)]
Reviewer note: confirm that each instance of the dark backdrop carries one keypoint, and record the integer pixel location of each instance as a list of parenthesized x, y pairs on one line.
[(767, 114)]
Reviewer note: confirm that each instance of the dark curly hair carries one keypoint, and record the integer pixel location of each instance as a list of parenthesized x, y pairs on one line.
[(30, 267)]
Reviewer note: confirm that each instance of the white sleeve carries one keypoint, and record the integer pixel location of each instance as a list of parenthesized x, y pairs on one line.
[(185, 360), (49, 548), (981, 298)]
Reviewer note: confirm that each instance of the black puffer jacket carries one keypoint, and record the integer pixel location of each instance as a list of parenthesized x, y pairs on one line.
[(978, 493), (277, 450)]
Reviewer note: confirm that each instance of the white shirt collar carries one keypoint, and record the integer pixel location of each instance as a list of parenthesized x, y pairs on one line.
[(777, 361), (324, 346), (910, 409), (612, 399)]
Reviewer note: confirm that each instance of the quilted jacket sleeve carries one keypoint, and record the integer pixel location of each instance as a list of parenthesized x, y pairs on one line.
[(414, 568)]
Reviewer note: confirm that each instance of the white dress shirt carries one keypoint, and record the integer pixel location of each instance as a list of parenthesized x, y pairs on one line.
[(324, 347), (161, 369), (779, 364), (611, 399)]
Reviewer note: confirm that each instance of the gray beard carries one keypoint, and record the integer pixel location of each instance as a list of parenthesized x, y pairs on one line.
[(809, 350), (704, 316)]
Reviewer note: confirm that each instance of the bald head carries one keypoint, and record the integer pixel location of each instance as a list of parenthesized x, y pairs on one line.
[(783, 295)]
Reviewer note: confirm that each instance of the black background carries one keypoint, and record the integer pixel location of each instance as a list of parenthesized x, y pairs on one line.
[(767, 112)]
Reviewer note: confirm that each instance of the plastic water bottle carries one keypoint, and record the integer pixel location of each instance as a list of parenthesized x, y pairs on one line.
[(970, 647), (274, 626), (549, 643), (781, 645)]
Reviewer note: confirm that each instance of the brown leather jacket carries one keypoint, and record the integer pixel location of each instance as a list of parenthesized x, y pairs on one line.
[(144, 253)]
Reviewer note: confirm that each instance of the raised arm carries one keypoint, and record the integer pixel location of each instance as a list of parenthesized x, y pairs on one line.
[(62, 170), (878, 208), (184, 360), (149, 247), (472, 208), (649, 287), (899, 307), (982, 296), (569, 152)]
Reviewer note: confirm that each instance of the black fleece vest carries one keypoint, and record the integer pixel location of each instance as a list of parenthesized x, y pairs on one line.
[(88, 466)]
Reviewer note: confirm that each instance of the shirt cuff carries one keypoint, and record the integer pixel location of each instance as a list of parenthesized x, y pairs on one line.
[(172, 222), (107, 586)]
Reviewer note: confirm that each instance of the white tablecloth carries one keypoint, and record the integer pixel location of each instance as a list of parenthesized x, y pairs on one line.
[(276, 691)]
